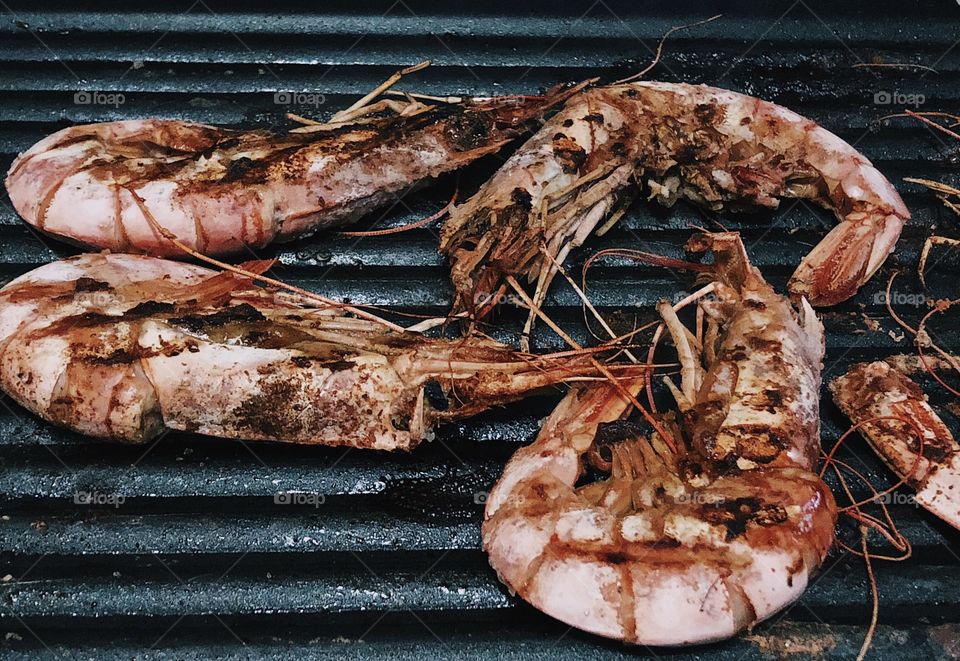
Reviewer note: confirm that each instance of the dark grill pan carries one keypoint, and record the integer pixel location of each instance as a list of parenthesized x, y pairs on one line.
[(198, 561)]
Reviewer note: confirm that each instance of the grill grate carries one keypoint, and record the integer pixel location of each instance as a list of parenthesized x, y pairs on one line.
[(198, 561)]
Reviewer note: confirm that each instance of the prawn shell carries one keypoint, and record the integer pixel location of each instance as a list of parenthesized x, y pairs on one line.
[(689, 543), (890, 409), (124, 347), (713, 147), (220, 191)]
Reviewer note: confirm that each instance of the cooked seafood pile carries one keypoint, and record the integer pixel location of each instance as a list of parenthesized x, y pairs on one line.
[(711, 146), (219, 191), (124, 347), (711, 522), (714, 522)]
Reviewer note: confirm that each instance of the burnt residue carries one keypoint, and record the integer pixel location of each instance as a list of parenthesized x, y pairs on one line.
[(303, 362), (197, 323), (398, 340), (615, 558), (665, 543), (759, 443), (737, 514), (468, 130), (774, 347), (71, 323), (339, 365), (274, 410), (770, 400), (119, 356), (85, 285), (522, 198), (570, 155), (709, 114), (237, 168), (148, 309)]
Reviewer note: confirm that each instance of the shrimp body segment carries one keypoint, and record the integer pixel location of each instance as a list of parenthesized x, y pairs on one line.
[(711, 146), (891, 408), (218, 190), (124, 347), (686, 547)]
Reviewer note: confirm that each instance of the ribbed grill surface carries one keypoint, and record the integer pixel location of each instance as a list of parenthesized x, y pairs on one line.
[(198, 561)]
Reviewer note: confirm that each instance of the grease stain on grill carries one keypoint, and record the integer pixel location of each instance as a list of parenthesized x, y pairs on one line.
[(437, 498)]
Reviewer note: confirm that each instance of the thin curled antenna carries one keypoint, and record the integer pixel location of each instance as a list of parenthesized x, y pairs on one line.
[(656, 57)]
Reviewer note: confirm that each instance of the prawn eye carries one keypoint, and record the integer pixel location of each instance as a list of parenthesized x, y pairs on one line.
[(434, 394)]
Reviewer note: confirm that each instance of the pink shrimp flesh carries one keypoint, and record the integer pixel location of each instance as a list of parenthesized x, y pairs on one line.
[(891, 409)]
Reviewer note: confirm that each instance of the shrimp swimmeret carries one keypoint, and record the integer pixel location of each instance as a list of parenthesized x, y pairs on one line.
[(124, 346), (688, 546), (218, 190), (714, 147)]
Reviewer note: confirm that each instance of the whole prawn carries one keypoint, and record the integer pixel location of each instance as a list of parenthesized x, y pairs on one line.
[(714, 147), (124, 347), (716, 521), (219, 190)]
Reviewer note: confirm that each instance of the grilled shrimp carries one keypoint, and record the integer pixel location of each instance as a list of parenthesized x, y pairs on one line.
[(714, 147), (123, 347), (688, 546), (218, 190), (890, 409)]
